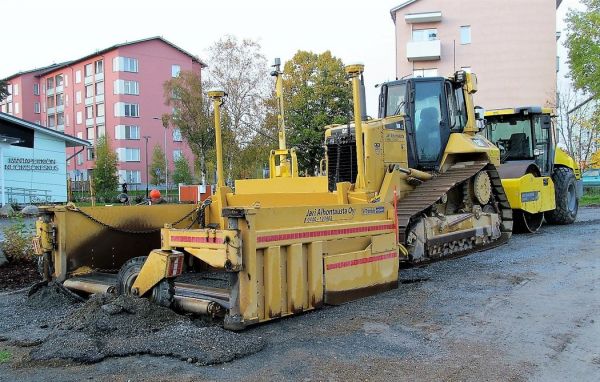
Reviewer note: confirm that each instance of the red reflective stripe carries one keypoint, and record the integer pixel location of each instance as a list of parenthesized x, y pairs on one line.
[(196, 239), (364, 260), (330, 232)]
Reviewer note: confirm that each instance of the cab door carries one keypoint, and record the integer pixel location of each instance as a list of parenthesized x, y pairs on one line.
[(430, 121)]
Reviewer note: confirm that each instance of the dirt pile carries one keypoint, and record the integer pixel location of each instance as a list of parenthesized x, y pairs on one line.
[(109, 326), (49, 295)]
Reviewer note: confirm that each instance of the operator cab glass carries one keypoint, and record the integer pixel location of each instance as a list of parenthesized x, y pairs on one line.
[(513, 136), (433, 108)]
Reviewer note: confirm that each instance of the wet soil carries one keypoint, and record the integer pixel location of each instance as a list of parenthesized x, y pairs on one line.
[(17, 275), (525, 311)]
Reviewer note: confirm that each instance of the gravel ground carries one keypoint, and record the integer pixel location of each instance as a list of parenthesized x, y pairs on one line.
[(525, 311)]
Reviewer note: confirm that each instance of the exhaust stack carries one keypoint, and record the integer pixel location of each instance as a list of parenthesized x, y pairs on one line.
[(217, 96)]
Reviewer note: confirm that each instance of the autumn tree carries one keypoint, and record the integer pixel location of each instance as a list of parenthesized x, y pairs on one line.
[(157, 167), (3, 90), (105, 176), (182, 172), (241, 70), (583, 42), (191, 115), (316, 94), (578, 124)]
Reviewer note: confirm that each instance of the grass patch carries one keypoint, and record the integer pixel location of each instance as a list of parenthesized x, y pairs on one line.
[(5, 356), (591, 197)]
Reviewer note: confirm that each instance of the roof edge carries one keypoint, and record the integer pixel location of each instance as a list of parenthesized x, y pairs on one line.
[(398, 7), (34, 126)]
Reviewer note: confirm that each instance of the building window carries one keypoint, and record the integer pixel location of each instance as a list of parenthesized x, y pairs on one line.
[(177, 154), (78, 97), (465, 34), (78, 76), (130, 176), (425, 73), (9, 107), (89, 70), (79, 159), (50, 101), (91, 133), (99, 88), (36, 89), (100, 110), (89, 91), (90, 151), (175, 69), (51, 121), (177, 135), (59, 80), (132, 155), (126, 87), (17, 110), (36, 108), (99, 66), (127, 132), (15, 89), (50, 83), (60, 119), (89, 112), (424, 34), (60, 99), (101, 130), (79, 118), (125, 64)]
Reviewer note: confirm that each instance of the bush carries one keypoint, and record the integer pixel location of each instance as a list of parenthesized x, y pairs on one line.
[(17, 245)]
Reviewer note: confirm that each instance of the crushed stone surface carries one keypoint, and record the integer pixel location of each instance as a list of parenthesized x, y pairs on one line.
[(110, 326)]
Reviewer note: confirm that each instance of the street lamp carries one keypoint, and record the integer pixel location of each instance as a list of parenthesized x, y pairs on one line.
[(146, 137), (165, 125)]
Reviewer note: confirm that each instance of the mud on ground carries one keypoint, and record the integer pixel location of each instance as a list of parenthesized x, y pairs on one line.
[(525, 311)]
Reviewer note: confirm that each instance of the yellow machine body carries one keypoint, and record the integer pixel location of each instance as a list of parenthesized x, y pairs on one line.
[(528, 181), (288, 244)]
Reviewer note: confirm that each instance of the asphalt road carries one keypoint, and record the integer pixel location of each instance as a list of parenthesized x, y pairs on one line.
[(529, 310)]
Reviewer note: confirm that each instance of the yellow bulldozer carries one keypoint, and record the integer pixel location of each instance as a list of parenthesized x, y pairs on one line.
[(416, 184), (540, 179)]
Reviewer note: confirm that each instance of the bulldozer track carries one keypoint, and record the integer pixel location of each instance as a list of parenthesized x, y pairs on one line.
[(425, 195)]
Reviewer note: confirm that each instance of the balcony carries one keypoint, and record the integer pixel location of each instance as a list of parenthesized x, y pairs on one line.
[(89, 122), (60, 128), (50, 91), (50, 110), (88, 80), (60, 108), (59, 89), (423, 50), (99, 77), (99, 120), (424, 17), (100, 98), (89, 101)]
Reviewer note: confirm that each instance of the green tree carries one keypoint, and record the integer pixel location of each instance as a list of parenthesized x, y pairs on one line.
[(3, 90), (105, 176), (157, 167), (191, 114), (182, 173), (316, 94), (583, 42)]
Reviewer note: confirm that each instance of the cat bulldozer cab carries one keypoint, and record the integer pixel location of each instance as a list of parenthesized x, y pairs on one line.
[(540, 179), (427, 129)]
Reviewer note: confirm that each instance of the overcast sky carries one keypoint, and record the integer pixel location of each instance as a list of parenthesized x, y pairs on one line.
[(39, 33)]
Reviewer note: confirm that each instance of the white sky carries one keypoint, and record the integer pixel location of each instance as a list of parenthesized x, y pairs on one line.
[(38, 33)]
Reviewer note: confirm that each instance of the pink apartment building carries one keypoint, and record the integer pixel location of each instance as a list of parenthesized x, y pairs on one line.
[(116, 92), (509, 44)]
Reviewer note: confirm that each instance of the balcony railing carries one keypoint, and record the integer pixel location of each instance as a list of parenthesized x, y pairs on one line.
[(89, 101), (89, 122), (423, 50)]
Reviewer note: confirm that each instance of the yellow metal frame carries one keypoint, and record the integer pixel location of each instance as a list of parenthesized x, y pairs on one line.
[(541, 189), (154, 270)]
